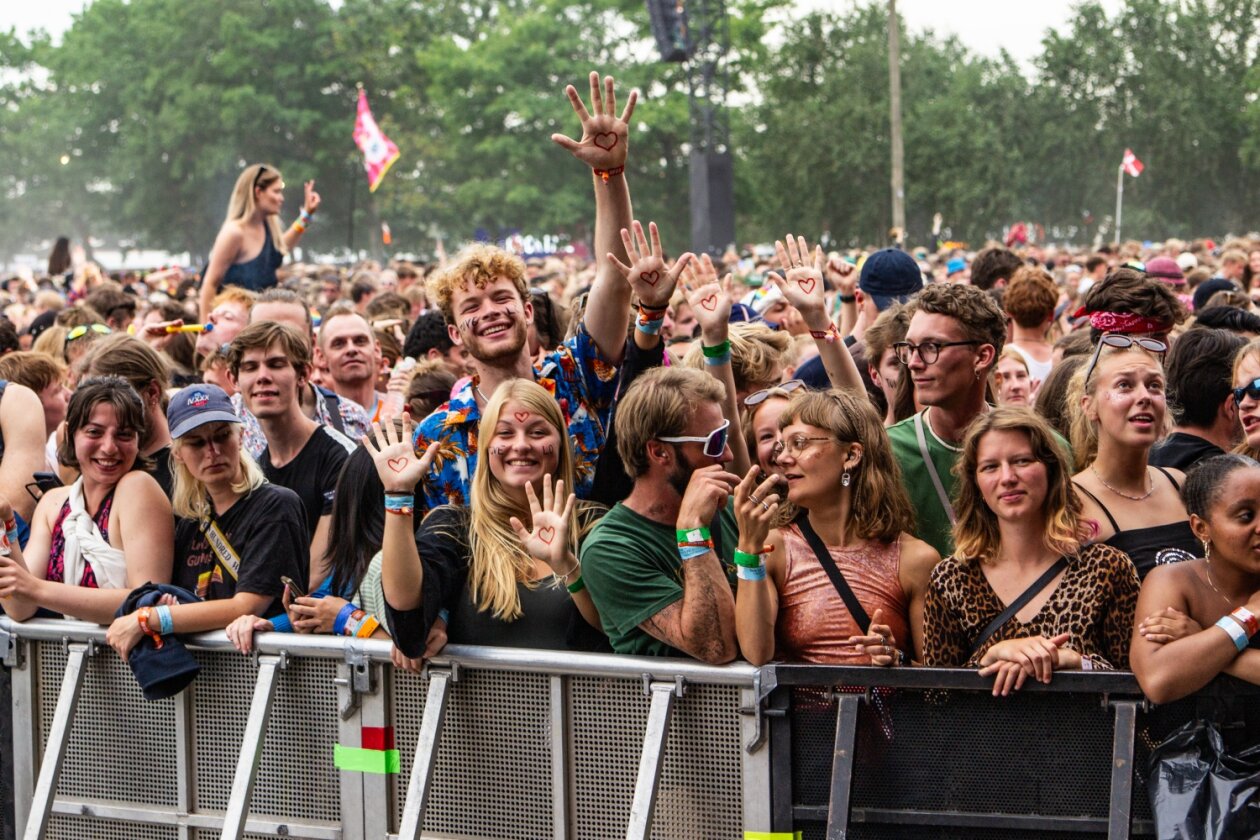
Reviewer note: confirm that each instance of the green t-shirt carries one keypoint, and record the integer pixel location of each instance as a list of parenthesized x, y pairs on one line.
[(931, 518), (630, 566)]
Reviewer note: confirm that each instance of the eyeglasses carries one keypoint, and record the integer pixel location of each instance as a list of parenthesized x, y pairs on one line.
[(714, 442), (929, 351), (780, 390), (1120, 341), (1251, 389), (82, 330), (794, 447)]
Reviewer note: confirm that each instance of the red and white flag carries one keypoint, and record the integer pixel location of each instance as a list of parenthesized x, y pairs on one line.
[(1130, 164), (379, 153)]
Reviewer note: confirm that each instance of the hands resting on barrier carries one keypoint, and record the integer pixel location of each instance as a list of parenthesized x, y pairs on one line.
[(241, 634)]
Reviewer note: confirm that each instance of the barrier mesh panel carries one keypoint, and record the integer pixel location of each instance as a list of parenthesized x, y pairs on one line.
[(1045, 754), (493, 773), (296, 777), (700, 791), (110, 714), (858, 831), (82, 828)]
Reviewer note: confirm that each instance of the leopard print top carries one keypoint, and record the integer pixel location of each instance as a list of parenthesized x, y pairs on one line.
[(1094, 601)]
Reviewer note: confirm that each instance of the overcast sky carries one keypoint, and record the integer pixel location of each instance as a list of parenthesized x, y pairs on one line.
[(986, 26)]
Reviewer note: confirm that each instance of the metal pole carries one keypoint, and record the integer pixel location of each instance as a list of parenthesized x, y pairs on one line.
[(894, 107), (1119, 199)]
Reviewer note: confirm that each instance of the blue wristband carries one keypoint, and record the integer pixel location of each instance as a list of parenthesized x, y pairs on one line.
[(1237, 634), (166, 625), (445, 615), (714, 361), (339, 624), (750, 572), (281, 623), (690, 552), (400, 502), (649, 327)]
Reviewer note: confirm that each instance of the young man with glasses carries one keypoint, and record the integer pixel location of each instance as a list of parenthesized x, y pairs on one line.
[(954, 339), (659, 565)]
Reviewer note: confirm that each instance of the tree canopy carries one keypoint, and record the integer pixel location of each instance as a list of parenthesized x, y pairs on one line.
[(133, 126)]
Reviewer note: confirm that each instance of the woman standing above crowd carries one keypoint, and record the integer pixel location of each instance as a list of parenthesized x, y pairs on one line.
[(1119, 405), (250, 245), (819, 589), (1023, 596)]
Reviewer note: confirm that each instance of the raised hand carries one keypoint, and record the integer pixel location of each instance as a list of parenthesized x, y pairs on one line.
[(651, 279), (707, 491), (395, 457), (548, 538), (709, 299), (878, 643), (310, 198), (843, 275), (605, 136), (802, 280)]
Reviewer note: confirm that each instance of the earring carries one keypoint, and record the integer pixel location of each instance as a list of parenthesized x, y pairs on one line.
[(845, 479), (1207, 551), (977, 372)]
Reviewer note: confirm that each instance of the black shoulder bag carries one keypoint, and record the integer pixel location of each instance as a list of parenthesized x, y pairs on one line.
[(1018, 604), (837, 579)]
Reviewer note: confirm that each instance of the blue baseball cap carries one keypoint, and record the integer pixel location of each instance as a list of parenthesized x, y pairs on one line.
[(890, 276), (955, 265), (198, 405)]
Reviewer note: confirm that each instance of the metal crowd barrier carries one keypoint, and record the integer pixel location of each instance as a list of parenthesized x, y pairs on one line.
[(319, 737)]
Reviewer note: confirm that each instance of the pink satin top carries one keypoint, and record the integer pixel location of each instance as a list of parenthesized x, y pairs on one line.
[(814, 625)]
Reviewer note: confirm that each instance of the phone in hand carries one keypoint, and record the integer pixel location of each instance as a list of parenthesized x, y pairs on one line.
[(295, 591)]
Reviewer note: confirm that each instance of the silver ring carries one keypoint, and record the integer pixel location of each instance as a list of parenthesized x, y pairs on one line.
[(764, 505), (753, 496)]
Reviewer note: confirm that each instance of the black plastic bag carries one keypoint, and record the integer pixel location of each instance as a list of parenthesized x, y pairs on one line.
[(1199, 790)]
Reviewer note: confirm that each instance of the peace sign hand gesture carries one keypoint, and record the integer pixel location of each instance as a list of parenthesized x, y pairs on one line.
[(651, 279), (803, 285), (395, 457), (549, 539), (605, 136), (709, 299), (311, 199)]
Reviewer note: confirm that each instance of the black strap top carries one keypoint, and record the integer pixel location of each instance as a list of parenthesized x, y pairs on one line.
[(1171, 542)]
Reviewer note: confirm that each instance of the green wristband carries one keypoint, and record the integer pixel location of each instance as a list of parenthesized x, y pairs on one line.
[(723, 349), (577, 586), (748, 561), (700, 534)]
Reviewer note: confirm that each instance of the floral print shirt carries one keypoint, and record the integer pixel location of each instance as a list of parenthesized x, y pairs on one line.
[(582, 381)]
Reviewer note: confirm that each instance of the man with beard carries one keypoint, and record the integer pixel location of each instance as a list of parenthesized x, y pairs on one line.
[(485, 299), (659, 565)]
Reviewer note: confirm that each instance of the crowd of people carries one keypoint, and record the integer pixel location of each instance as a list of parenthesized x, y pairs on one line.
[(1014, 461)]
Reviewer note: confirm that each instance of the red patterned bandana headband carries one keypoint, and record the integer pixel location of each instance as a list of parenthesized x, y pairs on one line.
[(1124, 322)]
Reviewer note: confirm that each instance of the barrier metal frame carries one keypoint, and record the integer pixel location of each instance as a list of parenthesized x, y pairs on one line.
[(363, 684)]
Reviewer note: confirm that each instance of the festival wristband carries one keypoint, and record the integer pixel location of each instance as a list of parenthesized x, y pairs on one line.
[(750, 572), (397, 502), (339, 623), (714, 361), (717, 350), (142, 616), (830, 335), (748, 561), (652, 327), (356, 620), (368, 627), (577, 586), (306, 216), (605, 174), (1235, 630), (444, 615), (848, 298), (166, 625), (700, 534), (1247, 619), (686, 553)]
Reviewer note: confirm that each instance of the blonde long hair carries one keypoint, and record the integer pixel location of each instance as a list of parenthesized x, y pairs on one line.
[(1251, 350), (1084, 437), (242, 205), (189, 498), (499, 561)]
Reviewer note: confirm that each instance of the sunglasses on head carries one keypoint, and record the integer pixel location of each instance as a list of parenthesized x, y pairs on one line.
[(262, 170), (82, 330), (1251, 389), (714, 442), (780, 390), (1120, 341)]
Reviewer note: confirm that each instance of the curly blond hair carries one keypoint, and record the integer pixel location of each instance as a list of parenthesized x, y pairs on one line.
[(479, 264)]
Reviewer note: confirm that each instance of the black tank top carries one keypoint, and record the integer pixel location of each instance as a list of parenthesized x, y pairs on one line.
[(1153, 546)]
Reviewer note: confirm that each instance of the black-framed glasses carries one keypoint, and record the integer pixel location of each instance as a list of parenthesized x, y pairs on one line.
[(1120, 341), (82, 330), (794, 447), (929, 351), (780, 390), (262, 170), (1251, 389), (714, 442)]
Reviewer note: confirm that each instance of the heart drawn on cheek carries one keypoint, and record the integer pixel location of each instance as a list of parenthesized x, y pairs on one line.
[(397, 464), (806, 284), (547, 534), (521, 416), (709, 303), (605, 140), (650, 277)]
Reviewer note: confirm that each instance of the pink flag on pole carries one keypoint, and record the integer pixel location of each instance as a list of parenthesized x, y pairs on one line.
[(1131, 165), (379, 153)]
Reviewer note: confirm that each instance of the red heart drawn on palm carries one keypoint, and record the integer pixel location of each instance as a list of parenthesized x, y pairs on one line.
[(397, 464), (709, 303), (806, 284), (521, 416), (650, 277), (547, 534), (605, 140)]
